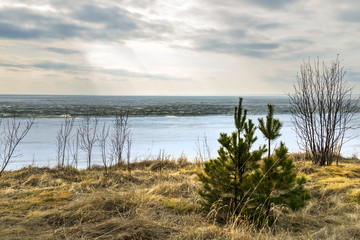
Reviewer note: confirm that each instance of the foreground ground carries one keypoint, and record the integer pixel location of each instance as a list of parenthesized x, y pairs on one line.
[(159, 200)]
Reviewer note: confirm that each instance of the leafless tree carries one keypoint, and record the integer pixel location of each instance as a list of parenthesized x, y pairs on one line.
[(74, 149), (102, 138), (63, 139), (322, 108), (87, 135), (119, 134), (13, 133), (129, 142)]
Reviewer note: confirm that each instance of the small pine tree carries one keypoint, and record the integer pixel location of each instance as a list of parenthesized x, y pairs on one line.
[(275, 182), (238, 182), (226, 178), (270, 129)]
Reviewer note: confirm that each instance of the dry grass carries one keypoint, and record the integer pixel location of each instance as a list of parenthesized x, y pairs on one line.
[(159, 200)]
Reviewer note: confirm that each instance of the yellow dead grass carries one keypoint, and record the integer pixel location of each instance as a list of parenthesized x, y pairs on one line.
[(159, 200)]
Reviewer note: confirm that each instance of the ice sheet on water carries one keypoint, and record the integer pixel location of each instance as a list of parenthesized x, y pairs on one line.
[(57, 106), (171, 124)]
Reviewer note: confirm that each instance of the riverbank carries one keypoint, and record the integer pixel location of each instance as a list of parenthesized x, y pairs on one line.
[(159, 199)]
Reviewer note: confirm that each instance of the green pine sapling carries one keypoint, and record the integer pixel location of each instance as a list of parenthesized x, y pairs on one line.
[(239, 182), (270, 129), (226, 179), (276, 181)]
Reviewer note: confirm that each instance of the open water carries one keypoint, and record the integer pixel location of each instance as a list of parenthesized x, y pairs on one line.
[(171, 125)]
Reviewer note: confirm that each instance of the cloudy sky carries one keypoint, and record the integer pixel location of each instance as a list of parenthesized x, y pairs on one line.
[(171, 47)]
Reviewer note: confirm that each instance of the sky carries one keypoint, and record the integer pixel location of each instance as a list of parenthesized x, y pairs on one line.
[(172, 47)]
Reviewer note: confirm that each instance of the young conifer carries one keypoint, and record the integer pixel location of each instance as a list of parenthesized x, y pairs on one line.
[(240, 182), (275, 182), (270, 129), (226, 179)]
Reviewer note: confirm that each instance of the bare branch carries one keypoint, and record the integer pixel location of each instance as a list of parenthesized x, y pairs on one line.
[(102, 139), (119, 134), (11, 136), (63, 139), (87, 135)]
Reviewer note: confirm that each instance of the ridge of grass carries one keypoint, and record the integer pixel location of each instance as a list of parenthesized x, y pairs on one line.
[(159, 200)]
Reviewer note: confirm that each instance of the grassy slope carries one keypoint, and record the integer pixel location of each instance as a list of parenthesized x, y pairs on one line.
[(159, 200)]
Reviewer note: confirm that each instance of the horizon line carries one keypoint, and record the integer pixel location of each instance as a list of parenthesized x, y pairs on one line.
[(142, 95)]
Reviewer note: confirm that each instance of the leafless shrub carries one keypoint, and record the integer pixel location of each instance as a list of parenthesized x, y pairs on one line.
[(203, 150), (322, 108), (163, 159), (87, 135), (74, 149), (10, 138), (63, 139), (129, 142), (102, 139), (119, 134)]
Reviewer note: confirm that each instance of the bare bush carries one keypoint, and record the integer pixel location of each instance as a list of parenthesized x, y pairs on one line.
[(74, 149), (63, 140), (13, 133), (129, 142), (203, 150), (322, 108), (102, 139), (87, 135), (119, 134)]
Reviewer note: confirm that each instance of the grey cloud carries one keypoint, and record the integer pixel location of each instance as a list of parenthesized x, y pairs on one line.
[(265, 26), (350, 15), (259, 46), (113, 17), (95, 14), (237, 33), (42, 26), (66, 30), (60, 66), (62, 50), (89, 22), (12, 31), (11, 65), (273, 4), (346, 10), (140, 3), (23, 15), (268, 4), (256, 49), (299, 41), (127, 73), (246, 34), (236, 19), (48, 65)]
